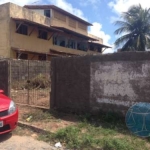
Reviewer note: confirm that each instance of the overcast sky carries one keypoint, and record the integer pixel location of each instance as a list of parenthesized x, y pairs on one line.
[(101, 13)]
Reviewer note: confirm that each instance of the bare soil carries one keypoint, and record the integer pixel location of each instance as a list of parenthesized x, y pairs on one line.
[(49, 122), (14, 142)]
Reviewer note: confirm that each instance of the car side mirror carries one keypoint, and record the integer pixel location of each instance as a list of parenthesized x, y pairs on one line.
[(1, 91)]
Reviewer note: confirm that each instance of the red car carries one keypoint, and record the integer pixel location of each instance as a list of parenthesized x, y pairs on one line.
[(8, 114)]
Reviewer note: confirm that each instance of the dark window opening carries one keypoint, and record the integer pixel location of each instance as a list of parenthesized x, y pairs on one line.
[(91, 47), (22, 56), (43, 34), (62, 43), (99, 49), (82, 46), (23, 29), (47, 13), (54, 40), (71, 44), (42, 57)]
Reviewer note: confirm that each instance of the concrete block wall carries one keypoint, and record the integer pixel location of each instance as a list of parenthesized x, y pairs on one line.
[(4, 76), (111, 82), (70, 84)]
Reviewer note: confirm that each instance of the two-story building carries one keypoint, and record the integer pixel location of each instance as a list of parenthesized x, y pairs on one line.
[(40, 32)]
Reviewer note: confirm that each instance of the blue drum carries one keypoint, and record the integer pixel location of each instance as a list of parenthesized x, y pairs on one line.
[(138, 119)]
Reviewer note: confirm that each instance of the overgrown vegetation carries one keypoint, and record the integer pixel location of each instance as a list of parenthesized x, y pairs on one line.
[(37, 115), (40, 81), (104, 132)]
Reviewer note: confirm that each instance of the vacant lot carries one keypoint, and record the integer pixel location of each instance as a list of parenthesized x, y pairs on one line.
[(103, 132)]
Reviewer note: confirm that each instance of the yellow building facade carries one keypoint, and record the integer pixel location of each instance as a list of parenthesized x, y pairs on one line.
[(41, 32)]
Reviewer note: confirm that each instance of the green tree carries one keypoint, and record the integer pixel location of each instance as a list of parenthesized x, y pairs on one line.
[(134, 28)]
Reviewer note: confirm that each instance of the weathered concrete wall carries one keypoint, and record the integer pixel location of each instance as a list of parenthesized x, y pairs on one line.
[(4, 31), (70, 83), (114, 82), (23, 13), (119, 84), (4, 76), (119, 80)]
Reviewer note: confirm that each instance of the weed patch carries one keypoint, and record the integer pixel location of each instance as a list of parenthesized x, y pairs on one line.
[(102, 132), (37, 115), (116, 144)]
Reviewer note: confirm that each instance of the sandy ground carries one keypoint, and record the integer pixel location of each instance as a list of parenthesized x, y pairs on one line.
[(13, 142), (53, 124)]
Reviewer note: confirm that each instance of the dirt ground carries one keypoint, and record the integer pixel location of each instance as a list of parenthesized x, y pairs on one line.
[(15, 142), (25, 139), (46, 121)]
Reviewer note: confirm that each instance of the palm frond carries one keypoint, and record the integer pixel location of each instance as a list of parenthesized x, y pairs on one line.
[(122, 39), (135, 29), (122, 30)]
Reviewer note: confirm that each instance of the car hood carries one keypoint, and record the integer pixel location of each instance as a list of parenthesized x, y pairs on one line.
[(4, 102)]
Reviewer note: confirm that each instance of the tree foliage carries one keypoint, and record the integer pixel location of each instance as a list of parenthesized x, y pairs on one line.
[(134, 28)]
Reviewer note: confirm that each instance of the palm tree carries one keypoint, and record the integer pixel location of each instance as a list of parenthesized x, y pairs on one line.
[(134, 29)]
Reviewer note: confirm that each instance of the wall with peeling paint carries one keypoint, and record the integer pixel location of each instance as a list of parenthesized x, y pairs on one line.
[(114, 82), (119, 83)]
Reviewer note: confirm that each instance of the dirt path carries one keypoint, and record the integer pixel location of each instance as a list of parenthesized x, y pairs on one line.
[(13, 142)]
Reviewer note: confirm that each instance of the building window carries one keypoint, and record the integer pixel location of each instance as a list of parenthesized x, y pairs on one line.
[(91, 48), (62, 43), (47, 13), (43, 34), (59, 40), (22, 29), (22, 56), (82, 46), (99, 49), (71, 44), (55, 41), (42, 57)]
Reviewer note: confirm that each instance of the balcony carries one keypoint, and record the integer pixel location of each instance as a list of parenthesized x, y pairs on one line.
[(23, 13)]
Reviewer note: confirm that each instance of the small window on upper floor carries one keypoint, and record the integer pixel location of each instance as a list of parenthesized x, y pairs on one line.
[(47, 13), (22, 29), (43, 34)]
